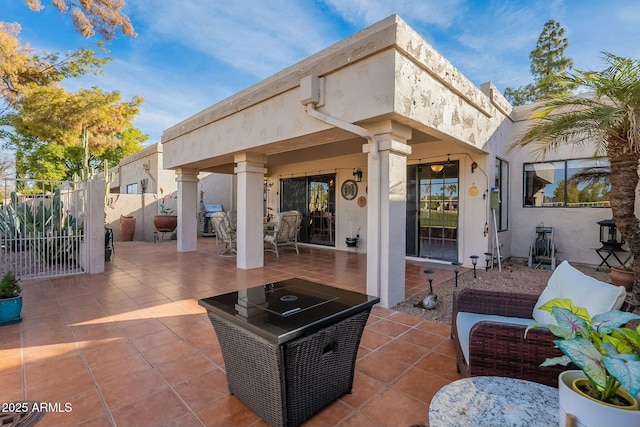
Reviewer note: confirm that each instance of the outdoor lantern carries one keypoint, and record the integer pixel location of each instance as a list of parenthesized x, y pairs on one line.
[(474, 261), (610, 237), (456, 266), (487, 258), (357, 175)]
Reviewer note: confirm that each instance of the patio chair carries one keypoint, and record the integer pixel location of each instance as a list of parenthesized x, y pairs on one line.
[(224, 232), (285, 232), (542, 251), (488, 326)]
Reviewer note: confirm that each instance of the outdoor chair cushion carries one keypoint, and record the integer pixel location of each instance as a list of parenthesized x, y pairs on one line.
[(584, 291), (465, 321)]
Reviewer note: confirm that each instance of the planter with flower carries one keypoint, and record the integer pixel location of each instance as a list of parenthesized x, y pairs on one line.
[(166, 221), (10, 299), (606, 389)]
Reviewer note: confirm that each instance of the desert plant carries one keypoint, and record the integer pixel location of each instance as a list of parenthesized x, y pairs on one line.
[(9, 286), (163, 204), (607, 353)]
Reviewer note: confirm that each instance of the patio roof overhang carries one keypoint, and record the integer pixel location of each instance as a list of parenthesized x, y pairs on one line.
[(386, 72)]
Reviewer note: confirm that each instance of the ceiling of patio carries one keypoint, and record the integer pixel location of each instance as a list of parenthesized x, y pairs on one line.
[(321, 145)]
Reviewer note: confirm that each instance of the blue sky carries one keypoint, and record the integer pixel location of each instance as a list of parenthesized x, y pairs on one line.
[(191, 54)]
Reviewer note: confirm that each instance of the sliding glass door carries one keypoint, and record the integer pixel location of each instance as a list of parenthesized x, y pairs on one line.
[(432, 211), (314, 197)]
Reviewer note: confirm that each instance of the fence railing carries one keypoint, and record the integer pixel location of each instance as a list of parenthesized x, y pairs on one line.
[(42, 229)]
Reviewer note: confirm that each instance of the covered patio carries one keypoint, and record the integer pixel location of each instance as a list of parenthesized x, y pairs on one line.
[(133, 347)]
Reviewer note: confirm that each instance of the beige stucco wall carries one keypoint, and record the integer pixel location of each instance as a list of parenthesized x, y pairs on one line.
[(576, 232)]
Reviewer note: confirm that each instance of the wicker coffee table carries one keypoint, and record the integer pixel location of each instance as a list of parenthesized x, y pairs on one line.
[(289, 347)]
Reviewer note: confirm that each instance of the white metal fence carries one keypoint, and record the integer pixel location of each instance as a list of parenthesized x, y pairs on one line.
[(42, 227)]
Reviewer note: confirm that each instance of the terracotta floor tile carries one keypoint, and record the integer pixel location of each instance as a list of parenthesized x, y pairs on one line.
[(153, 410), (82, 408), (393, 408), (372, 340), (132, 387), (203, 389), (405, 319), (389, 328), (422, 338), (182, 369), (137, 335), (381, 368), (364, 387), (435, 328), (439, 364), (329, 416), (227, 411), (419, 384), (403, 351)]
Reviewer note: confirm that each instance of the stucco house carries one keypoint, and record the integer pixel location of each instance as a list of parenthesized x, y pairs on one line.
[(382, 136)]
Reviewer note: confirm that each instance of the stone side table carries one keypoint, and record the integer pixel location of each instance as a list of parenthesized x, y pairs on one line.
[(495, 402)]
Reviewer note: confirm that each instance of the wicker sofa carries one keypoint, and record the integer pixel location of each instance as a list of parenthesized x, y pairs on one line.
[(496, 343)]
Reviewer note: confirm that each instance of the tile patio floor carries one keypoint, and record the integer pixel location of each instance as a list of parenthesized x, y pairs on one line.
[(131, 347)]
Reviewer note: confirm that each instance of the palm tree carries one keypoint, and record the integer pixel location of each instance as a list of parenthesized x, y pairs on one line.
[(610, 117)]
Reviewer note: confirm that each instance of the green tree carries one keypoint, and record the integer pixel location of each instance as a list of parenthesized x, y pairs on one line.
[(47, 121), (548, 64), (89, 16), (608, 117)]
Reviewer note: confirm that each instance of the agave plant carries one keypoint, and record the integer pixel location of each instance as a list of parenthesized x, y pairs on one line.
[(47, 229), (607, 353)]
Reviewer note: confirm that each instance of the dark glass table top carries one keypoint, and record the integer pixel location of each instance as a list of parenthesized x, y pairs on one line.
[(288, 309)]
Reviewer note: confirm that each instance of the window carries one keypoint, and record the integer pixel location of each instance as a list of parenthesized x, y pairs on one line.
[(132, 188), (502, 184), (567, 183)]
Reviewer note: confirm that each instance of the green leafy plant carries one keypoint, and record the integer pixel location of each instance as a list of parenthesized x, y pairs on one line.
[(9, 287), (46, 228), (607, 353), (163, 204)]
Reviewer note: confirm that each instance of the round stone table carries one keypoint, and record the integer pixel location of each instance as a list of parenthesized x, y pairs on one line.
[(495, 402)]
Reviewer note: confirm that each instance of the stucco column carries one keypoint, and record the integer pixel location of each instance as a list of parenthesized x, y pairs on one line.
[(250, 232), (94, 227), (187, 180), (386, 211)]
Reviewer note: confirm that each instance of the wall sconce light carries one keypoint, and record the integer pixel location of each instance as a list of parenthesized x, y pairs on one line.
[(437, 168), (357, 175), (474, 166)]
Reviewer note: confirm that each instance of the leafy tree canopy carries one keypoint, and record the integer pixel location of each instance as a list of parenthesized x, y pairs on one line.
[(89, 16), (43, 121), (548, 64)]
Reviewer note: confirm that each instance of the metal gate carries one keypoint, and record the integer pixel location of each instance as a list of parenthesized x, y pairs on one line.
[(42, 226)]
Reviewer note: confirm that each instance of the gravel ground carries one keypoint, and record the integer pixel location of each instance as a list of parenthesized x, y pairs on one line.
[(514, 277)]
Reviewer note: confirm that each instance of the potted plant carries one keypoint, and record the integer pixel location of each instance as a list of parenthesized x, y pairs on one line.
[(10, 299), (623, 276), (606, 390), (165, 221)]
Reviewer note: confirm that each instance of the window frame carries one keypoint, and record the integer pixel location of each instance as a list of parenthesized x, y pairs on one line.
[(602, 162)]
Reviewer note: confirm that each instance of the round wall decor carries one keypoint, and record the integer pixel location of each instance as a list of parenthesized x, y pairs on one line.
[(362, 201), (349, 189)]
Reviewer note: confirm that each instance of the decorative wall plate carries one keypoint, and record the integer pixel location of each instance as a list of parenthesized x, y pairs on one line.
[(349, 189), (362, 201)]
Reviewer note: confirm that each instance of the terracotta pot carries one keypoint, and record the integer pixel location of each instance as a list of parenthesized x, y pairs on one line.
[(165, 223), (127, 228), (622, 277)]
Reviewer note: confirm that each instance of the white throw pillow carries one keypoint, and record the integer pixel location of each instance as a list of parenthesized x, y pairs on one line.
[(584, 291)]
